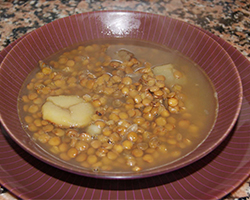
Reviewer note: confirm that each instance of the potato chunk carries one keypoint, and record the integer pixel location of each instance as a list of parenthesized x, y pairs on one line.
[(67, 111), (168, 71), (65, 101)]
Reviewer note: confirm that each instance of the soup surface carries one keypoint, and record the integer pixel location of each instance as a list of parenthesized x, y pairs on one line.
[(118, 106)]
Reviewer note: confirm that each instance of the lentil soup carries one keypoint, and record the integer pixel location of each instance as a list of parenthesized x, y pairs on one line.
[(118, 106)]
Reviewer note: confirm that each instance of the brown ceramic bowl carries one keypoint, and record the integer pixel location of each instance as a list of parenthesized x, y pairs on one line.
[(172, 33)]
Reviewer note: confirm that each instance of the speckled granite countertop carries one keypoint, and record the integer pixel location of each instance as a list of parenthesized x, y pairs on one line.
[(228, 19)]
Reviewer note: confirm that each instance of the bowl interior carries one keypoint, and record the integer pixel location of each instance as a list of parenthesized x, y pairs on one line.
[(172, 33)]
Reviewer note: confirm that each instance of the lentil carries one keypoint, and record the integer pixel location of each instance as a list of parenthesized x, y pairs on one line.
[(138, 116)]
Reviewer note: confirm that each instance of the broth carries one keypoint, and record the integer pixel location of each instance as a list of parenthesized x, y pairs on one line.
[(118, 106)]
